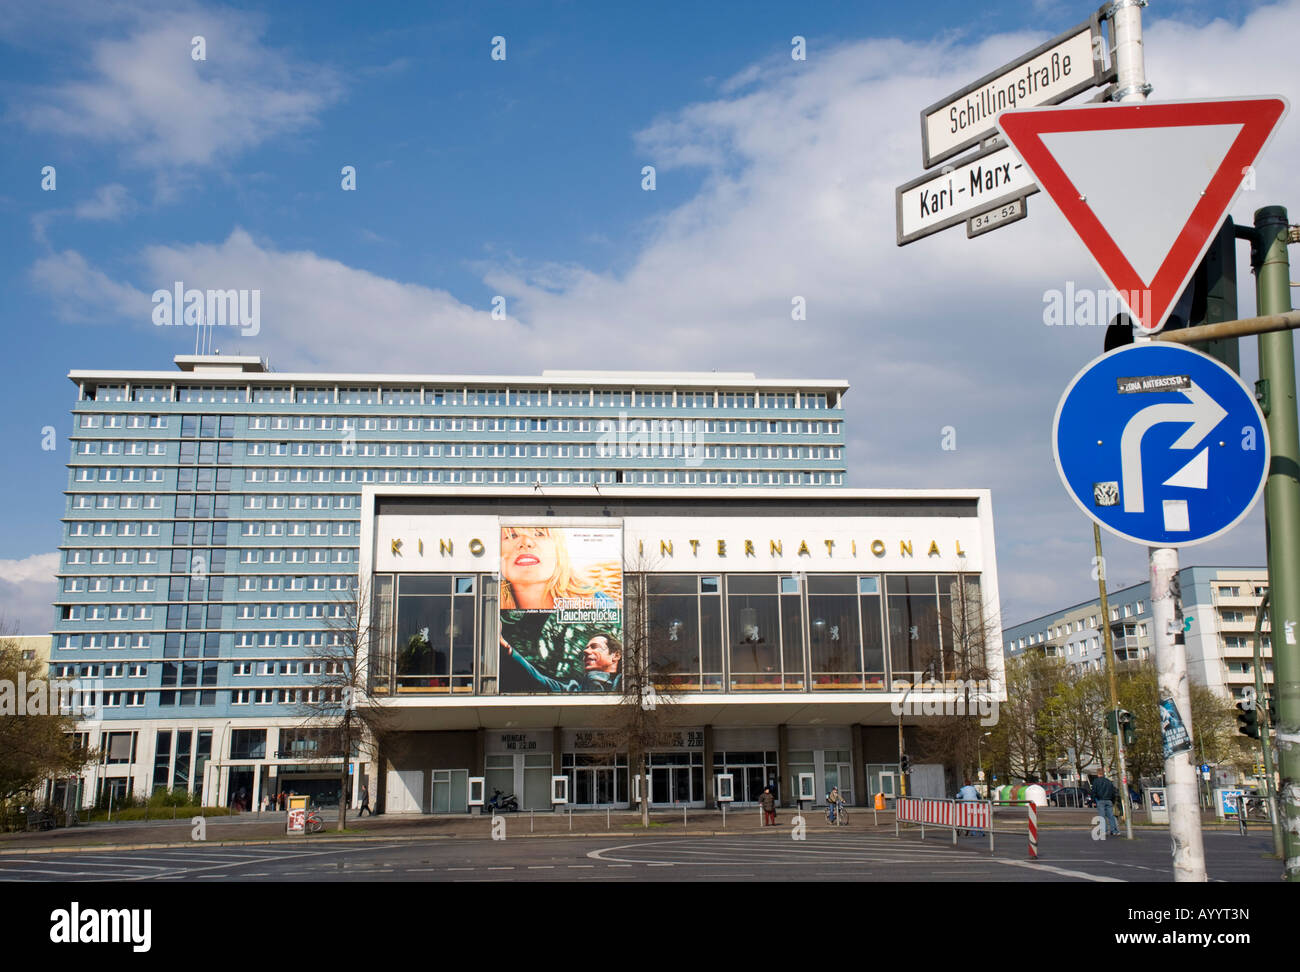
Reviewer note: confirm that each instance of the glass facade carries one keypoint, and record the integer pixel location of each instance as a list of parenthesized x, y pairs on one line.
[(767, 633)]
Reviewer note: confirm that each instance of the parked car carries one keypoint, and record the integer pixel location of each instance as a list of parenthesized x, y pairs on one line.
[(1071, 796)]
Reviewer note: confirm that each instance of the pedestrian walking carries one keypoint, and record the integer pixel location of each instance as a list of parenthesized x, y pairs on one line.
[(968, 793), (768, 803), (1103, 791), (365, 802)]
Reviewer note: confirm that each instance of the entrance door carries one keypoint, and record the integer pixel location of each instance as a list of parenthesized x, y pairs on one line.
[(405, 791), (677, 778), (660, 785), (841, 775), (451, 791), (887, 784)]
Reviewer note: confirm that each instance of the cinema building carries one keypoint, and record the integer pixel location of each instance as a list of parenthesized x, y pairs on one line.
[(221, 516), (782, 626)]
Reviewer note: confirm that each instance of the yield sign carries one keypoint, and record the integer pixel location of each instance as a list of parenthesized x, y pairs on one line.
[(1146, 186)]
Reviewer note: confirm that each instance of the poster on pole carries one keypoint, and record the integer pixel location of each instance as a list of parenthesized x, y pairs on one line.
[(561, 608), (1173, 731)]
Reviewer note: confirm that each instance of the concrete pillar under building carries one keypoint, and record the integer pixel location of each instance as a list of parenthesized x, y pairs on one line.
[(864, 798), (710, 782), (783, 762)]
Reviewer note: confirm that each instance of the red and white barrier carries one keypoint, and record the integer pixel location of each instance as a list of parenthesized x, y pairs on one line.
[(1033, 831), (958, 814)]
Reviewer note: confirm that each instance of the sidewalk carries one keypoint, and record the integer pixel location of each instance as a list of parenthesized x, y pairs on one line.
[(265, 827)]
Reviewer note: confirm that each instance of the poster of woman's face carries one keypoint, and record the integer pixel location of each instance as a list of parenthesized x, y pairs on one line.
[(542, 564), (561, 605)]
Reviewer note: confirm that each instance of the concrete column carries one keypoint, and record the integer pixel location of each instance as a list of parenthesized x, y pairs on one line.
[(783, 764), (710, 783), (859, 767), (557, 743)]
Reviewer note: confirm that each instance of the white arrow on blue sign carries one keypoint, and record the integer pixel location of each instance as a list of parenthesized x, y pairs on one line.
[(1161, 444)]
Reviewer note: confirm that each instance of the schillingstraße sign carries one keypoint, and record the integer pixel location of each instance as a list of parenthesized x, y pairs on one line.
[(1049, 74)]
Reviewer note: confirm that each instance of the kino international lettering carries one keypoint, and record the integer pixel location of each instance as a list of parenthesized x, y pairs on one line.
[(722, 546)]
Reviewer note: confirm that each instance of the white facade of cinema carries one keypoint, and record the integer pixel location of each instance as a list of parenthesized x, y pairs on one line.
[(761, 728)]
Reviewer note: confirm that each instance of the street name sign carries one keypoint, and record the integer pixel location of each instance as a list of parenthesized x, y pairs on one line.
[(1145, 186), (1054, 72), (1161, 444), (937, 200)]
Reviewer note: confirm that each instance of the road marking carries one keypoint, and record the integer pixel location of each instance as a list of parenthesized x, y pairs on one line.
[(421, 870), (1060, 870), (582, 865), (502, 868), (541, 867), (460, 868)]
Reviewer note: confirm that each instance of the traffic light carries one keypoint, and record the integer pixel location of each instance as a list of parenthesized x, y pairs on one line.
[(1272, 711), (904, 762), (1129, 723), (1112, 717), (1210, 298), (1247, 720)]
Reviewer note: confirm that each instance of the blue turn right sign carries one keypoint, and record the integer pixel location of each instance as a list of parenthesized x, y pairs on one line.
[(1161, 444)]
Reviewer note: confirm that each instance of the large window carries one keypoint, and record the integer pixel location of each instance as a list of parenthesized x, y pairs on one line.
[(434, 647), (754, 631), (684, 613), (936, 628), (248, 744), (834, 632)]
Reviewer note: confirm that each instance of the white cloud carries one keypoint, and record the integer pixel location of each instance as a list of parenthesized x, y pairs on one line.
[(85, 294), (144, 91), (800, 165), (110, 202), (27, 590)]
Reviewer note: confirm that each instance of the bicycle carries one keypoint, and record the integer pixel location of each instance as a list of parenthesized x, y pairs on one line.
[(837, 814), (314, 822)]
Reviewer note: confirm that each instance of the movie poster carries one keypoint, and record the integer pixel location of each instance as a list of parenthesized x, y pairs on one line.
[(561, 609)]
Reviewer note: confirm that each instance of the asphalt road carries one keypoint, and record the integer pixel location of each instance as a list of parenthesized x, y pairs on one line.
[(1066, 856)]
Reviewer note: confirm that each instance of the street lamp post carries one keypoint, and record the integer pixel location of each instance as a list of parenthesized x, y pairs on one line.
[(980, 759)]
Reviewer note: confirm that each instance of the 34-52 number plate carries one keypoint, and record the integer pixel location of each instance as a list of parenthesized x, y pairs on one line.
[(995, 218)]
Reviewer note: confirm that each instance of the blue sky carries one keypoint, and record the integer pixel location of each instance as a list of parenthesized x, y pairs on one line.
[(523, 178)]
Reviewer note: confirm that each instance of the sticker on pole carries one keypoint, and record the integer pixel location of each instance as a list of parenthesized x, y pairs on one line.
[(1161, 445)]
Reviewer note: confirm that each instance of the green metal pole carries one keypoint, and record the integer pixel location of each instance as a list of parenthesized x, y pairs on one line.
[(1277, 393), (1265, 738)]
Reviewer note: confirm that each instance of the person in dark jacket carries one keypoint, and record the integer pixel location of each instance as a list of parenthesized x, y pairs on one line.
[(768, 803), (1103, 791)]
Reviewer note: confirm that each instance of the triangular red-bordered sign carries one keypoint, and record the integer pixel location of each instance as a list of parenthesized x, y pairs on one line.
[(1114, 151)]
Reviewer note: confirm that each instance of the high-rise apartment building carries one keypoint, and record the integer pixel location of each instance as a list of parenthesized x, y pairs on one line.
[(213, 515)]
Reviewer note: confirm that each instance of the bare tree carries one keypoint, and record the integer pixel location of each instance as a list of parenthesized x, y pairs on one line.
[(970, 632), (643, 715), (339, 716)]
